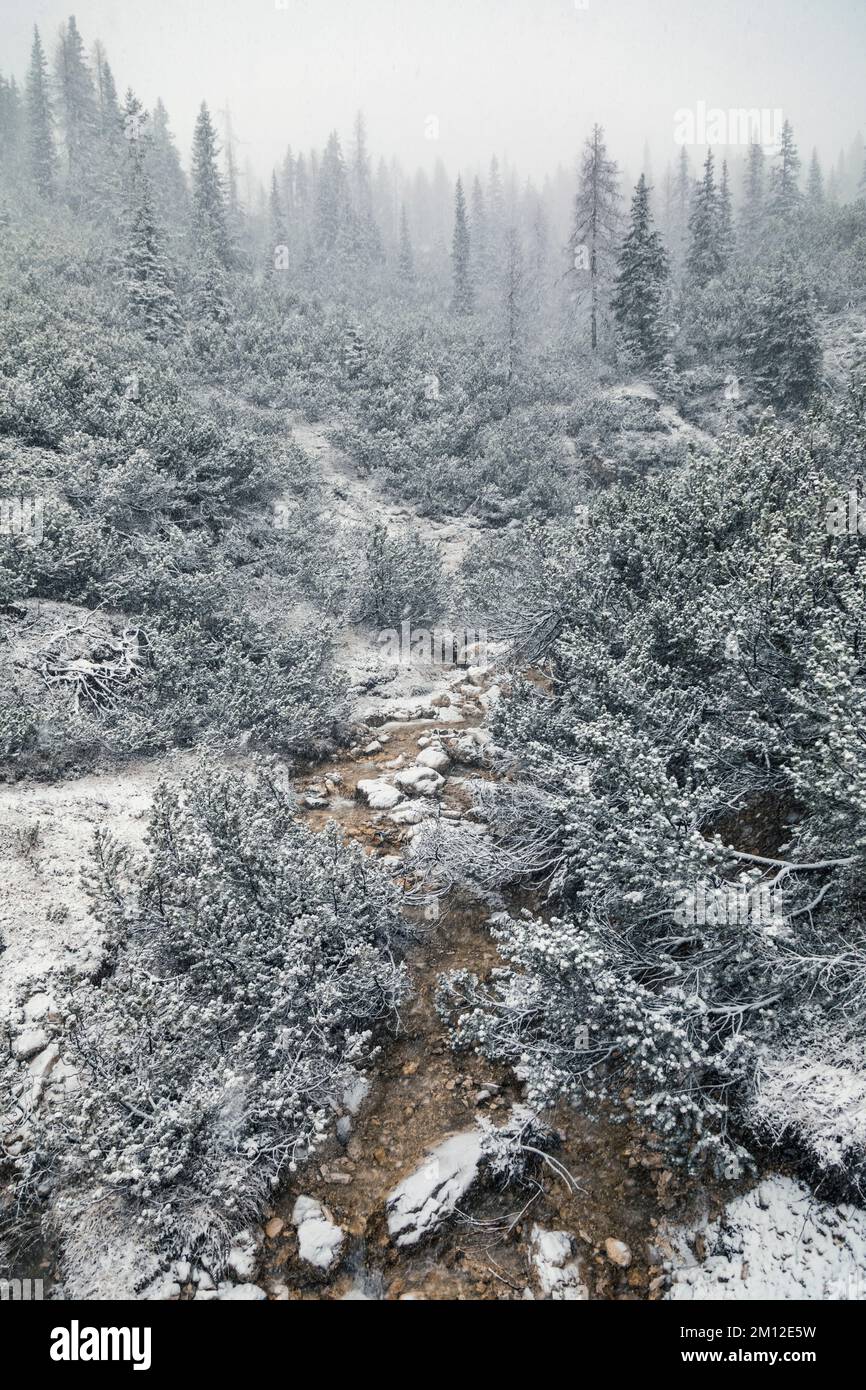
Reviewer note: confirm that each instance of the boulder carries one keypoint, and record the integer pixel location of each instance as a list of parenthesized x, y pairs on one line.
[(430, 1195), (378, 794)]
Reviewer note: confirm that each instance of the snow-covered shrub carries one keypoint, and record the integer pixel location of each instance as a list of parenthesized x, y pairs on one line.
[(400, 576), (250, 963), (700, 720)]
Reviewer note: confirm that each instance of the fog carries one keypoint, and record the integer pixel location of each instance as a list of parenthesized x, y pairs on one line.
[(522, 80)]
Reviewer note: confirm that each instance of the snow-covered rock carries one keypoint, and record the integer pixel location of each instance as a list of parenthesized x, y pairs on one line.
[(428, 1196), (355, 1095), (243, 1255), (436, 758), (378, 794), (28, 1043), (238, 1293), (407, 815), (558, 1274), (617, 1252), (419, 781), (320, 1239), (775, 1242)]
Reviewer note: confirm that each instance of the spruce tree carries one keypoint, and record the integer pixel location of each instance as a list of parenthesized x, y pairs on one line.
[(405, 257), (208, 194), (168, 181), (595, 226), (751, 221), (815, 186), (726, 218), (79, 116), (368, 239), (639, 292), (785, 195), (462, 299), (332, 220), (704, 259), (11, 130), (41, 155), (278, 227), (781, 342), (152, 302)]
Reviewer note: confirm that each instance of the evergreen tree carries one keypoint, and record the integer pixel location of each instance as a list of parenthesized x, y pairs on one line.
[(595, 226), (726, 218), (11, 127), (168, 181), (815, 186), (41, 156), (368, 240), (781, 342), (478, 231), (332, 198), (754, 195), (79, 117), (785, 196), (704, 259), (151, 297), (405, 258), (462, 300), (514, 306), (208, 194), (278, 227), (682, 202), (639, 292)]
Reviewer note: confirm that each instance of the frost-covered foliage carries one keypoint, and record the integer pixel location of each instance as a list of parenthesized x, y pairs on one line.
[(399, 576), (250, 964), (702, 724)]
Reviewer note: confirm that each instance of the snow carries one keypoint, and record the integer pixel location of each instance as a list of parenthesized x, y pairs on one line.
[(378, 794), (420, 781), (776, 1242), (429, 1196), (558, 1275), (319, 1238)]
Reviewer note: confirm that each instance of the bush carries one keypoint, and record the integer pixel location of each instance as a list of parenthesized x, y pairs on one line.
[(250, 964)]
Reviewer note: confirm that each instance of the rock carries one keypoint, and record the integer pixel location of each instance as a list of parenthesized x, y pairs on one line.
[(273, 1227), (618, 1252), (37, 1006), (428, 1196), (374, 747), (344, 1129), (355, 1095), (559, 1276), (319, 1238), (28, 1043), (392, 862), (44, 1061), (420, 781), (239, 1293), (407, 815), (315, 803), (378, 794), (490, 696), (436, 758), (241, 1259)]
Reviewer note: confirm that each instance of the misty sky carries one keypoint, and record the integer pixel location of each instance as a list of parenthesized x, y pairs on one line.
[(520, 78)]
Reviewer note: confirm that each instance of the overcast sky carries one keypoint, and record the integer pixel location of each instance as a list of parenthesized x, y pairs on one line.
[(520, 78)]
